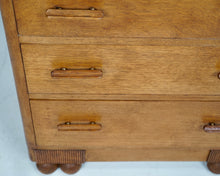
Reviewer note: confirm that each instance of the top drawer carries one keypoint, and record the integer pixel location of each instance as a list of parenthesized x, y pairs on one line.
[(139, 18)]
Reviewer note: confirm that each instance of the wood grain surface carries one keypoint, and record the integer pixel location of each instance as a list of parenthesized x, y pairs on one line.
[(143, 154), (126, 69), (166, 52), (140, 18), (158, 97), (127, 124), (119, 41)]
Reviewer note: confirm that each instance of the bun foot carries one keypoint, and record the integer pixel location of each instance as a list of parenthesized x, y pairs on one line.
[(47, 168), (214, 167), (70, 168)]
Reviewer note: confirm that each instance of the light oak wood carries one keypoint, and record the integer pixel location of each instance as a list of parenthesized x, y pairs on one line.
[(7, 13), (140, 18), (160, 97), (127, 124), (119, 41), (126, 69), (166, 52), (146, 154)]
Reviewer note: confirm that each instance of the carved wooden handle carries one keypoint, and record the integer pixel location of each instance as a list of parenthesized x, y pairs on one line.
[(74, 73), (89, 126), (89, 13), (212, 128)]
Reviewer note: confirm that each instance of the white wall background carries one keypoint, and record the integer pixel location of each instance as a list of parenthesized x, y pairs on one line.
[(14, 159)]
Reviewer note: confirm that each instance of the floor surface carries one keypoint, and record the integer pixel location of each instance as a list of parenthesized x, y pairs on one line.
[(14, 160)]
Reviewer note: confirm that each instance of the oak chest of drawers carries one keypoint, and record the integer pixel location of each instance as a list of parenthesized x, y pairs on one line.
[(117, 81)]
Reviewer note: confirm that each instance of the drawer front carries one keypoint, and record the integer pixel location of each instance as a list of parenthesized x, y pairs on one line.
[(140, 18), (125, 124), (122, 69)]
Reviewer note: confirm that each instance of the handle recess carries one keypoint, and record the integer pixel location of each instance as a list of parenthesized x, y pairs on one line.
[(88, 13), (212, 128), (84, 126), (77, 73)]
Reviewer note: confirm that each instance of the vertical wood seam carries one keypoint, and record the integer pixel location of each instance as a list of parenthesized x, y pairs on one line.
[(25, 77), (11, 31)]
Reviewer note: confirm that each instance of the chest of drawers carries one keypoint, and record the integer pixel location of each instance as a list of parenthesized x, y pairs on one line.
[(116, 81)]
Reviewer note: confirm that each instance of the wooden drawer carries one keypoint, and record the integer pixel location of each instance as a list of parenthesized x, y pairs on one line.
[(140, 18), (126, 69), (125, 124)]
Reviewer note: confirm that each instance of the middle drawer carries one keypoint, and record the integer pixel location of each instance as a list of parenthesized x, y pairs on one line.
[(122, 69)]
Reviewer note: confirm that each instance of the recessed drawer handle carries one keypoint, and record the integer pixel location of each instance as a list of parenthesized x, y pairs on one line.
[(88, 13), (88, 126), (77, 73), (212, 128)]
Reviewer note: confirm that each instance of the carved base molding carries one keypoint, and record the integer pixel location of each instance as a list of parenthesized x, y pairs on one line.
[(70, 161)]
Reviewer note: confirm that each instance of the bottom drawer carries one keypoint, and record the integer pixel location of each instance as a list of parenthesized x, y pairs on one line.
[(127, 125)]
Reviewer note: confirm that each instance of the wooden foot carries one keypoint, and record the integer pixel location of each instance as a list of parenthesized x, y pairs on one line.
[(59, 158), (213, 161), (70, 168), (47, 168), (214, 167)]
